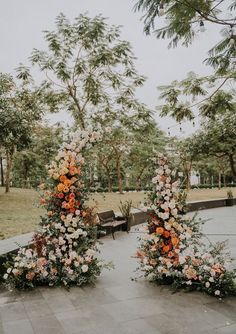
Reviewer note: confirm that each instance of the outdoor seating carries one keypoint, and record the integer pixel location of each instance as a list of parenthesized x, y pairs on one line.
[(110, 223)]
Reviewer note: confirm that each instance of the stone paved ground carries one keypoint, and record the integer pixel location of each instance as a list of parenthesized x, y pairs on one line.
[(118, 305)]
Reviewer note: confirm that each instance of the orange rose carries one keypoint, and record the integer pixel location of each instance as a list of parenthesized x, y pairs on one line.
[(72, 170), (166, 234), (166, 248), (175, 241), (159, 230), (67, 182), (30, 275), (60, 187), (62, 178)]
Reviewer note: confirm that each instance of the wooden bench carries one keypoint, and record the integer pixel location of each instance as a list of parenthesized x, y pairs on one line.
[(109, 222)]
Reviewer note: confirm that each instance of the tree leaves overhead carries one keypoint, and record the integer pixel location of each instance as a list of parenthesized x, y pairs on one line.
[(87, 60), (183, 21)]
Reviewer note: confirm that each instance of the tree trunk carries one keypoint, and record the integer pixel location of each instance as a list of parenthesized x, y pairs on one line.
[(232, 165), (119, 176), (8, 171), (224, 180), (139, 179), (109, 183), (219, 180), (1, 171)]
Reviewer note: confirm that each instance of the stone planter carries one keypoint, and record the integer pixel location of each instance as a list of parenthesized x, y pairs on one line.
[(229, 202)]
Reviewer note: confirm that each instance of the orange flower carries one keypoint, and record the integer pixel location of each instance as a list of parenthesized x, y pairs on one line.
[(166, 234), (41, 262), (66, 206), (72, 170), (159, 230), (78, 171), (62, 178), (67, 182), (175, 241), (66, 189), (71, 202), (30, 275), (171, 254), (166, 248), (60, 187)]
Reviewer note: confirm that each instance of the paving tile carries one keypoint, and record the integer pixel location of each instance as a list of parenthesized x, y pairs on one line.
[(230, 329), (139, 326), (85, 319), (120, 311), (22, 326), (47, 325), (31, 295), (169, 323), (12, 311), (57, 299), (37, 308), (224, 307)]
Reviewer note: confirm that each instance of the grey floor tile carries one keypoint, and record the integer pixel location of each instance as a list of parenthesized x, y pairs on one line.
[(224, 307), (57, 299), (22, 326), (139, 326), (12, 311), (230, 329), (37, 308), (47, 325)]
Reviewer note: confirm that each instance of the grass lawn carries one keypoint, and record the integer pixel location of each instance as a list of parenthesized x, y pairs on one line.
[(20, 213)]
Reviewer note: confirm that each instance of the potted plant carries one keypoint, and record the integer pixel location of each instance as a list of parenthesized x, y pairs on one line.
[(230, 198), (125, 209)]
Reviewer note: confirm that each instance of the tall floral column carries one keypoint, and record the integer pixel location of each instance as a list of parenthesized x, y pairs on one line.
[(172, 252), (64, 252)]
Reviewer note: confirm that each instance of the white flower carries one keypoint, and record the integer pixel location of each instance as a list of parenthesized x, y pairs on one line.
[(5, 276), (84, 268), (217, 292), (189, 282), (211, 279), (207, 284), (9, 270), (90, 252)]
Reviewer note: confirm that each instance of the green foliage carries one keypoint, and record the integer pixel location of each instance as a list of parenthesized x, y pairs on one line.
[(29, 168), (183, 21), (89, 70)]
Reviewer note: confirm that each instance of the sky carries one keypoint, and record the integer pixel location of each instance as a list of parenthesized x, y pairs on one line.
[(22, 23)]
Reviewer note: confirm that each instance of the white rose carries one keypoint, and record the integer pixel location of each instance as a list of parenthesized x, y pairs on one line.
[(5, 276), (84, 268), (9, 270), (207, 284), (217, 292)]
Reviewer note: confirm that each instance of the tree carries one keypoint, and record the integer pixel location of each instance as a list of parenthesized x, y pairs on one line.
[(185, 20), (20, 109), (89, 70), (218, 139), (140, 160), (30, 164)]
